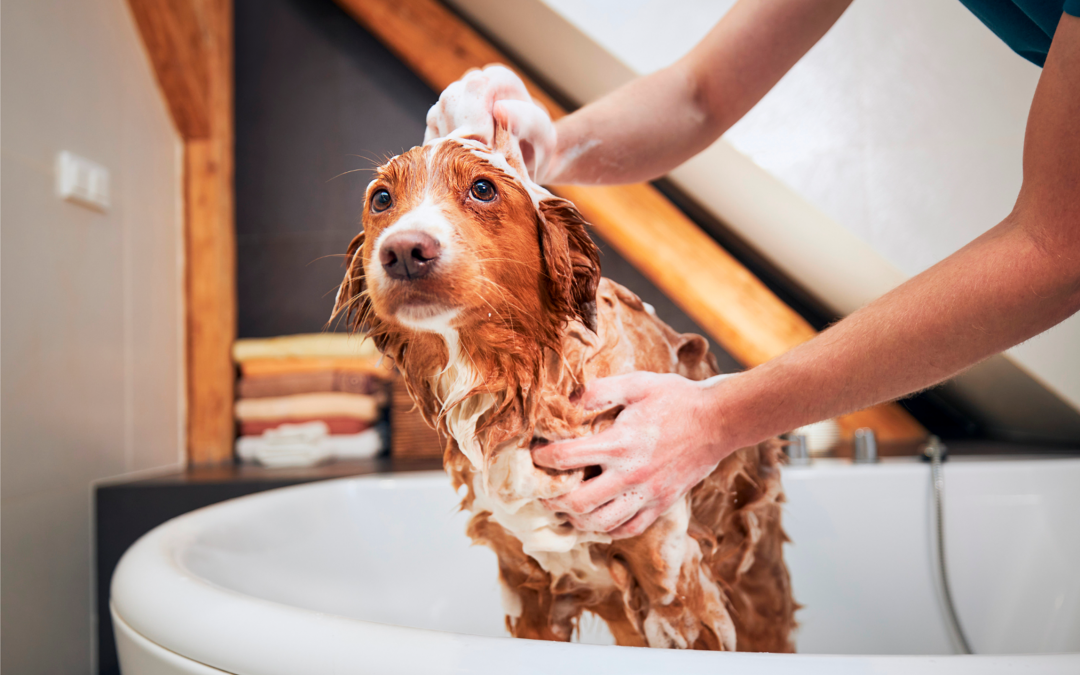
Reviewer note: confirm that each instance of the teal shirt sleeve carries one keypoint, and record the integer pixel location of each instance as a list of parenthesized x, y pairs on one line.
[(1027, 26)]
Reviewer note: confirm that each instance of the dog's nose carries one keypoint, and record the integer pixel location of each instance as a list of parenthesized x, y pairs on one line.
[(409, 255)]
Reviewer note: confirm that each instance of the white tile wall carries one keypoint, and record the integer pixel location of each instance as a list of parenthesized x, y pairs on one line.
[(92, 350)]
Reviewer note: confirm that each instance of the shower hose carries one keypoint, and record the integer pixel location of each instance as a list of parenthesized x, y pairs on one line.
[(934, 452)]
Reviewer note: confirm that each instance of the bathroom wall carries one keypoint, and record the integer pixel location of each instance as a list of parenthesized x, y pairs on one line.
[(896, 140), (92, 351), (319, 103)]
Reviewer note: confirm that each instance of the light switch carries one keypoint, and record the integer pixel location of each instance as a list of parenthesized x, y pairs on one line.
[(83, 182)]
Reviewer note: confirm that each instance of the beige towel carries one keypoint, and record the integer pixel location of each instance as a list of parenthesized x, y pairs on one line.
[(311, 345), (308, 406)]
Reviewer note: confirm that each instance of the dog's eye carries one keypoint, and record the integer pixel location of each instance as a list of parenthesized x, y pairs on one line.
[(483, 190), (381, 200)]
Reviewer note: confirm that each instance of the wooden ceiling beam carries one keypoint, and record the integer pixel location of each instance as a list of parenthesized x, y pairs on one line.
[(175, 40)]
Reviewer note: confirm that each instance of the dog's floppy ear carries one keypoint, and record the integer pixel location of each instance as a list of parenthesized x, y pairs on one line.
[(352, 300), (695, 360), (571, 261)]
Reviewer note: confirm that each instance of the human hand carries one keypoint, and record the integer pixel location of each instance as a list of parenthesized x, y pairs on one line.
[(495, 97), (666, 440)]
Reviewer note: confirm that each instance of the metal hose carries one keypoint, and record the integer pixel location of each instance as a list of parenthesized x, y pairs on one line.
[(934, 450)]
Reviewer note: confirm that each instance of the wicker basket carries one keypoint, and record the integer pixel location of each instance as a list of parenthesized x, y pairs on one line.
[(410, 436)]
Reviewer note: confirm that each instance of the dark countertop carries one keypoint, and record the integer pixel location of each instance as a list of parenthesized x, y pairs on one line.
[(253, 473)]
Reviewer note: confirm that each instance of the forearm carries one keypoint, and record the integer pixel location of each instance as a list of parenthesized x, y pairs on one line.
[(1005, 287), (653, 124), (636, 133), (1015, 281)]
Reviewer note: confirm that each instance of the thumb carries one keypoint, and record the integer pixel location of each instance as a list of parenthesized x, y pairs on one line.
[(612, 391)]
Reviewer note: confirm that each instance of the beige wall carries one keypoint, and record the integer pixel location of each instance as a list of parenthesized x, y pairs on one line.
[(92, 326)]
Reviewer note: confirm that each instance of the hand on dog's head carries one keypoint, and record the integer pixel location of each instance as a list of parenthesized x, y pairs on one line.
[(493, 106)]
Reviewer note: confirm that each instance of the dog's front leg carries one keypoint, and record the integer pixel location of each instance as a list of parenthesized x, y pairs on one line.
[(544, 615), (678, 603)]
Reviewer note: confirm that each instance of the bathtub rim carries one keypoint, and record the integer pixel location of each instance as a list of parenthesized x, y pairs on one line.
[(221, 623)]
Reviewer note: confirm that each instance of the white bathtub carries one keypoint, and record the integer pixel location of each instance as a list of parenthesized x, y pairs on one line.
[(375, 575)]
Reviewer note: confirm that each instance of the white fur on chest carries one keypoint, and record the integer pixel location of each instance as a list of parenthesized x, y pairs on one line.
[(509, 486)]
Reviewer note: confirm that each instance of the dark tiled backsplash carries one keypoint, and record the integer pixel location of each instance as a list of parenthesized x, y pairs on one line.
[(319, 102)]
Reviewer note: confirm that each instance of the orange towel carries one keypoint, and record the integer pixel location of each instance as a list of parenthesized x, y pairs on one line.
[(288, 366), (338, 425)]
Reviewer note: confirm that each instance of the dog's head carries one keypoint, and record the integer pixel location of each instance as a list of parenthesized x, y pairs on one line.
[(453, 240)]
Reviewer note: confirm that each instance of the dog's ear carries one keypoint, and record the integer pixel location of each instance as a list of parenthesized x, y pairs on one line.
[(695, 360), (352, 300), (571, 261)]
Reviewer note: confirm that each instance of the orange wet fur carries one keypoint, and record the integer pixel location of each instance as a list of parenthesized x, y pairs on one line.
[(535, 322)]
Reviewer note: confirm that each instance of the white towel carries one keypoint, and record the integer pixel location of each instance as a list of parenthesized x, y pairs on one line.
[(306, 445)]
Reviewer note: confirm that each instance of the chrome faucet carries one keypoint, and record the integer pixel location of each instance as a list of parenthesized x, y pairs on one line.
[(798, 454), (865, 447)]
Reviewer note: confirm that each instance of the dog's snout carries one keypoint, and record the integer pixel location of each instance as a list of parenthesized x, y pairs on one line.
[(409, 255)]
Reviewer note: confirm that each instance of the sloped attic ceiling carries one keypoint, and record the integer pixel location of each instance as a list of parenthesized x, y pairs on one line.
[(841, 202)]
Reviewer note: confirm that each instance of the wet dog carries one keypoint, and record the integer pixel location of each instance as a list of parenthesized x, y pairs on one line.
[(485, 291)]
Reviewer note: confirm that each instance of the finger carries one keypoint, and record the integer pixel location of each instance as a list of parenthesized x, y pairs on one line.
[(531, 129), (526, 120), (505, 84), (611, 391), (579, 452), (609, 516), (636, 525), (588, 496)]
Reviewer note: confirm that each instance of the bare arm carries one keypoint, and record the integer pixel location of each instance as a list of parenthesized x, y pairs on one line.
[(1015, 281), (653, 124)]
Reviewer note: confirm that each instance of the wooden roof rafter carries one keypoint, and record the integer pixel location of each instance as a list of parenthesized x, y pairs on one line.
[(190, 46)]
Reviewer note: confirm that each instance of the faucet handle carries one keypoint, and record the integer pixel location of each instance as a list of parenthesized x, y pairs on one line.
[(798, 454), (934, 448), (865, 447)]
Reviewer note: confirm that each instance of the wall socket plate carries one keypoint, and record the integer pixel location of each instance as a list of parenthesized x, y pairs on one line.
[(82, 182)]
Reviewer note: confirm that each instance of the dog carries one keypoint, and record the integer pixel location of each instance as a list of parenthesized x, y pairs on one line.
[(485, 291)]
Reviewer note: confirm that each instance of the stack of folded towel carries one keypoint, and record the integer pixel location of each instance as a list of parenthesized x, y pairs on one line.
[(305, 398)]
